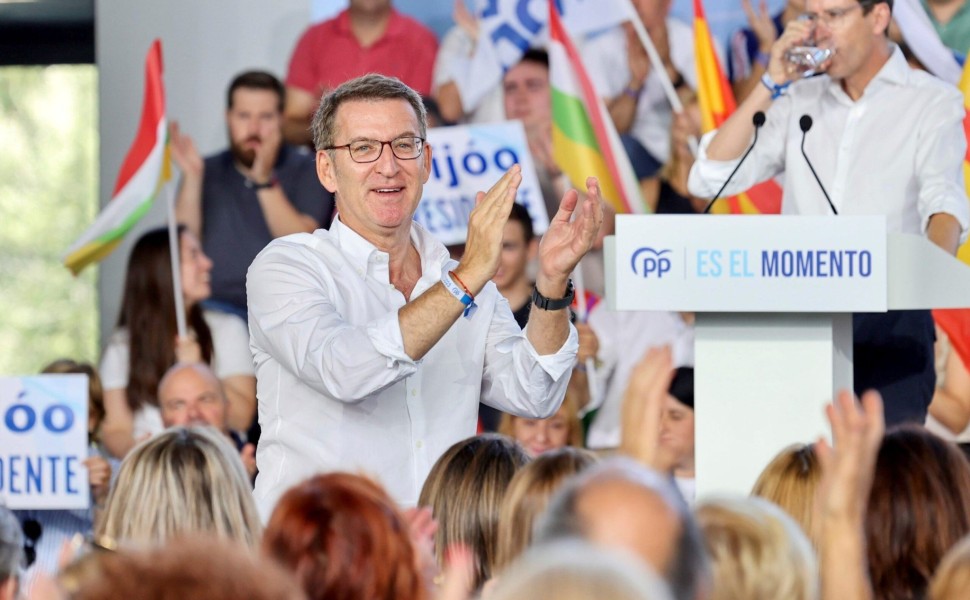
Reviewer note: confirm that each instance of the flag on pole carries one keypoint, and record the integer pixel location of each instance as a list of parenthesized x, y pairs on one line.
[(144, 171), (956, 322), (717, 102), (584, 139)]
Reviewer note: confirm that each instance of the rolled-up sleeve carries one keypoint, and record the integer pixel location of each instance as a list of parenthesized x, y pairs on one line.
[(939, 163), (516, 378), (293, 318)]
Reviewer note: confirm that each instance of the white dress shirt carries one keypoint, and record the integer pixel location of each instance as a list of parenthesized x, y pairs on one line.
[(606, 60), (336, 390), (896, 151)]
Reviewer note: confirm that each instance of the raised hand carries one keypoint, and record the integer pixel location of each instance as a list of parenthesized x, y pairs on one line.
[(187, 349), (486, 225), (761, 24), (643, 406), (465, 19), (184, 153), (567, 240), (848, 467), (796, 32), (99, 478), (270, 138), (637, 59)]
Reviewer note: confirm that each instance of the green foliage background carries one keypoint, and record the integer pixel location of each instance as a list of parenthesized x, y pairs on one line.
[(48, 196)]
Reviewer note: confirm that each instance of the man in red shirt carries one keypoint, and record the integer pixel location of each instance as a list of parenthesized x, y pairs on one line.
[(368, 37)]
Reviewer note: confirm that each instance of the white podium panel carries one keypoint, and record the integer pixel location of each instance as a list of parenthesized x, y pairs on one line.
[(761, 384), (774, 297)]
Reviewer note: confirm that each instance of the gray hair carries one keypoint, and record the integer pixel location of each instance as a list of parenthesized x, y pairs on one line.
[(11, 546), (576, 570), (688, 569), (367, 87)]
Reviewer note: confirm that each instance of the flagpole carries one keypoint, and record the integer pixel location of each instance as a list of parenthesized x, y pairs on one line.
[(173, 246), (658, 67), (592, 379)]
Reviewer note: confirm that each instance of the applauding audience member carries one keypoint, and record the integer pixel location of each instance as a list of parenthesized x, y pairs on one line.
[(191, 394), (184, 480), (537, 436), (790, 480), (619, 503), (918, 510), (343, 537), (146, 342), (576, 570), (47, 530), (758, 552), (465, 491), (528, 495)]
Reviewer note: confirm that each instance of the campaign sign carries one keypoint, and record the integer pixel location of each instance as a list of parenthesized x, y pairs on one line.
[(468, 159), (748, 263), (43, 442)]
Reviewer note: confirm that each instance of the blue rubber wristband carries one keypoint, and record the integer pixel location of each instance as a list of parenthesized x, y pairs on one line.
[(775, 89), (459, 294)]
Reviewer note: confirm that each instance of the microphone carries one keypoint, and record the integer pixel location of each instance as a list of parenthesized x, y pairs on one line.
[(757, 120), (805, 123)]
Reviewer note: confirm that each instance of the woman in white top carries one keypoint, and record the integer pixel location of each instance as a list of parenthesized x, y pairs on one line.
[(133, 365)]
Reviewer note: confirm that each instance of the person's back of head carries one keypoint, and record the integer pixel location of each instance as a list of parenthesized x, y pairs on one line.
[(757, 551), (181, 481), (190, 567), (790, 481), (465, 490), (918, 509), (343, 537), (622, 504), (11, 555), (528, 495), (576, 570)]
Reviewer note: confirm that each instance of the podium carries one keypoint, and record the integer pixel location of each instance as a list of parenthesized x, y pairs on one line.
[(773, 297)]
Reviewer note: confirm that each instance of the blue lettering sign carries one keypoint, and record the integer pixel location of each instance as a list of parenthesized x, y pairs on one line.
[(651, 261)]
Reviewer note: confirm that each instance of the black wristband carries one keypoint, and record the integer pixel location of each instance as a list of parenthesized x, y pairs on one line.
[(548, 303)]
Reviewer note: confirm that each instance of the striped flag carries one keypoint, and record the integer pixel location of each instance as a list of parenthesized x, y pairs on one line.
[(716, 101), (144, 171), (584, 140), (956, 321)]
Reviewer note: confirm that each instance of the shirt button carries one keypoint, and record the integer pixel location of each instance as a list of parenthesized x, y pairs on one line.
[(414, 392), (420, 444)]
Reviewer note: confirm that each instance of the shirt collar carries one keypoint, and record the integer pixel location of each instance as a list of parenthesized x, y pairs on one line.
[(360, 253), (896, 71), (395, 26)]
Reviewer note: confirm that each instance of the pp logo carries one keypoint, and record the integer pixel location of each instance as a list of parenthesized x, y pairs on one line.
[(647, 261)]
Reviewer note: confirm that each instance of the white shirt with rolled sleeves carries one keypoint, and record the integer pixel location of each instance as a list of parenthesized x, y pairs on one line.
[(896, 151), (336, 390)]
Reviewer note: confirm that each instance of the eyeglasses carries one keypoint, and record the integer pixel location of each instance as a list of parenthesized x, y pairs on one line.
[(406, 147), (832, 17)]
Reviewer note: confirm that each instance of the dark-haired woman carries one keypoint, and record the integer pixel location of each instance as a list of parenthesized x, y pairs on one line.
[(146, 342)]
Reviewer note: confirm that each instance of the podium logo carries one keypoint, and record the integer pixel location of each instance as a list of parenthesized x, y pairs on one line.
[(648, 261)]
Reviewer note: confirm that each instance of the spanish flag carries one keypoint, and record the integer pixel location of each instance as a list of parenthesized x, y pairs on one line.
[(716, 101), (584, 140), (144, 171), (955, 322)]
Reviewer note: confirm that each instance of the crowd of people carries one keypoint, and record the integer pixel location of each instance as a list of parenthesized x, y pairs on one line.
[(359, 412)]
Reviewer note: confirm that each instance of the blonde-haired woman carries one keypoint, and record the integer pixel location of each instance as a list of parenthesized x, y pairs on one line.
[(536, 436), (790, 481), (527, 496), (758, 552), (184, 480)]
